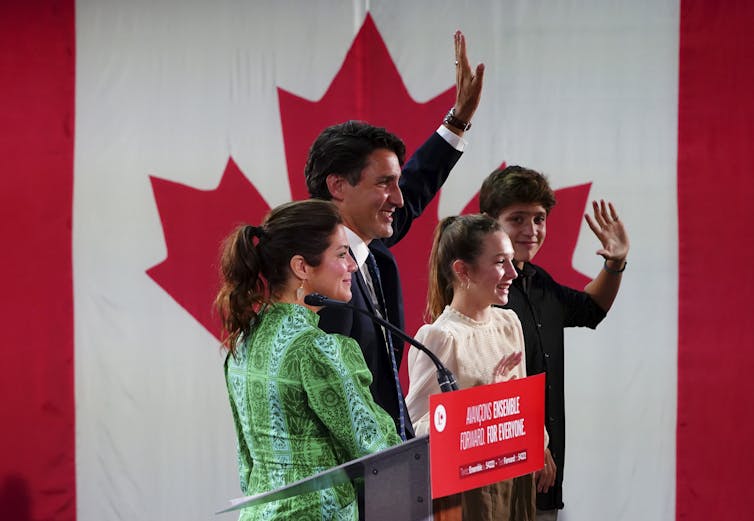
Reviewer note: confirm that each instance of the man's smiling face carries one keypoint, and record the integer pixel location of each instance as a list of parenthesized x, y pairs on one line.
[(367, 207)]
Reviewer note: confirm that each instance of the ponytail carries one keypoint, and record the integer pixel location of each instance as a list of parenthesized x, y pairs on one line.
[(440, 288), (243, 289)]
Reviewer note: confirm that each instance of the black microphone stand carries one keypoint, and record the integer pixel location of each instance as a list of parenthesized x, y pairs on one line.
[(445, 377)]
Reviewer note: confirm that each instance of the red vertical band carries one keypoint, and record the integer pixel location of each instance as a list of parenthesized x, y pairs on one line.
[(37, 76), (715, 194)]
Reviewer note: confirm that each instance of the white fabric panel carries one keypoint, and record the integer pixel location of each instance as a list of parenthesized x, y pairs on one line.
[(584, 91)]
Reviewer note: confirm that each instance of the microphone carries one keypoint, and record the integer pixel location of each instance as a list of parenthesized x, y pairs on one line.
[(445, 377)]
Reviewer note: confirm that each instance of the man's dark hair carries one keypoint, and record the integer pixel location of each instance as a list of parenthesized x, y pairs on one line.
[(343, 150), (514, 185)]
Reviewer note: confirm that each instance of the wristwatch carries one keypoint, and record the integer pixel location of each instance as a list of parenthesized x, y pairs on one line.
[(453, 121)]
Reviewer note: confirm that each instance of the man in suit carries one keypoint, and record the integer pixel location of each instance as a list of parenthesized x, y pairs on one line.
[(361, 169)]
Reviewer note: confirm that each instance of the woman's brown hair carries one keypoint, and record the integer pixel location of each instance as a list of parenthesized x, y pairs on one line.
[(255, 261)]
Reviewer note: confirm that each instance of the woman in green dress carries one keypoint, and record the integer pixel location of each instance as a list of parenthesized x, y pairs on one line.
[(299, 396)]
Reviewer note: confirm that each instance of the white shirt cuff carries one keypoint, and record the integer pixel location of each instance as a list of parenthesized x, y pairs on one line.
[(453, 140)]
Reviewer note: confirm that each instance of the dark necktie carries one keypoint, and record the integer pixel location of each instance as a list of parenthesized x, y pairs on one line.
[(374, 272)]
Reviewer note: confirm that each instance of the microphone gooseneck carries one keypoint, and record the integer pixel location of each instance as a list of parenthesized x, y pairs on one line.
[(445, 377)]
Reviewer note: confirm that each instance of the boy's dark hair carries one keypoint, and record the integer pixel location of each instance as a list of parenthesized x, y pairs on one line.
[(514, 185)]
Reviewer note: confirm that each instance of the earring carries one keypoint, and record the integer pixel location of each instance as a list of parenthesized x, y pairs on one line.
[(464, 285), (300, 292)]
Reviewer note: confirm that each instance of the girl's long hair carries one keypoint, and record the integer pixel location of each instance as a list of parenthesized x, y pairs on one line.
[(456, 238)]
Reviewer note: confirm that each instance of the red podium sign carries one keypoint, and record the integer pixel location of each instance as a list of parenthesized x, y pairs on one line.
[(486, 434)]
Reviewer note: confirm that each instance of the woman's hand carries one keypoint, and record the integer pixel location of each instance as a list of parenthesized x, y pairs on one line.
[(505, 366)]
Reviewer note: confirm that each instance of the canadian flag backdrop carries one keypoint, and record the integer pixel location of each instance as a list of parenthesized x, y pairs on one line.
[(136, 134)]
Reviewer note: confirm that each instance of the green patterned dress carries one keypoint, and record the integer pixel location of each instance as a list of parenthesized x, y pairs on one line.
[(301, 404)]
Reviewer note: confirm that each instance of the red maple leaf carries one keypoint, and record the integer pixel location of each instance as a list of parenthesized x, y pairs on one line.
[(194, 223), (367, 87), (563, 225)]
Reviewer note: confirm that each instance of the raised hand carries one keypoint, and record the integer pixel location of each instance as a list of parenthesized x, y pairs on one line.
[(609, 230), (468, 82)]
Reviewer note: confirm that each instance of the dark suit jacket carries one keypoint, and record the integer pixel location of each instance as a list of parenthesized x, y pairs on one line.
[(421, 179)]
